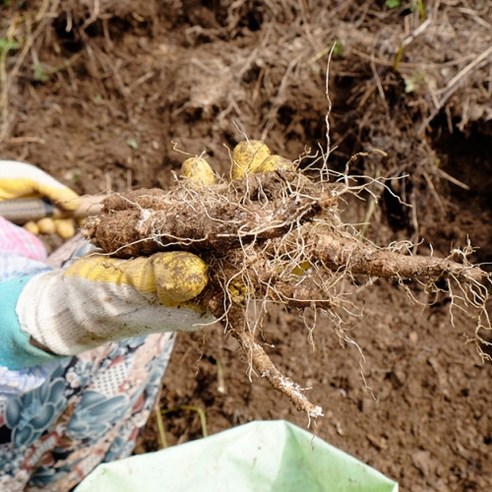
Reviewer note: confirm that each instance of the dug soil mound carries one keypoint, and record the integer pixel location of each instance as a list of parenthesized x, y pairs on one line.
[(115, 95)]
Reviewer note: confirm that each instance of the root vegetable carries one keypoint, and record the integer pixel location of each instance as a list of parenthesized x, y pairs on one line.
[(198, 170), (273, 237), (247, 157), (276, 163)]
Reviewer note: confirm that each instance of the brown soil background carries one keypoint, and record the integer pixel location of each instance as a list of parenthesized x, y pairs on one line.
[(100, 93)]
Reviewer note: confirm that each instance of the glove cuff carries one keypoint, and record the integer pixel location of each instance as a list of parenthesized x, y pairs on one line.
[(17, 351)]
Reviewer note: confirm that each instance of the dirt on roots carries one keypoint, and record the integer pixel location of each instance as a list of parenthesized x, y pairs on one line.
[(115, 95)]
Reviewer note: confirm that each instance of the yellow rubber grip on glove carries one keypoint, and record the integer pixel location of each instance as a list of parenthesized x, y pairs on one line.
[(175, 277), (24, 187), (22, 180)]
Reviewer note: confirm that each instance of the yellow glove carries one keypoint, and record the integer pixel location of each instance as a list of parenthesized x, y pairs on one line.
[(21, 180)]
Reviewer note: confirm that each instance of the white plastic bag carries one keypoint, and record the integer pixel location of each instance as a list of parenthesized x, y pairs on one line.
[(273, 456)]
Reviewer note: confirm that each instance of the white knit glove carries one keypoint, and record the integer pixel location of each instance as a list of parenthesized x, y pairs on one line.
[(98, 299)]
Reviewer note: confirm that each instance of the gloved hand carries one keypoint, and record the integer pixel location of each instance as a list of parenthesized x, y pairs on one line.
[(21, 180), (97, 299), (93, 300)]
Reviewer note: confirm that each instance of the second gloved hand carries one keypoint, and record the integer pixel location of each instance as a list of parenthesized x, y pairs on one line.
[(20, 180)]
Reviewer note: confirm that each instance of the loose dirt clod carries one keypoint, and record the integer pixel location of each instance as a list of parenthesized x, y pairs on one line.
[(269, 238)]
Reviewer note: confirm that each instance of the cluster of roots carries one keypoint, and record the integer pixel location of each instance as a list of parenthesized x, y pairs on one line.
[(272, 238)]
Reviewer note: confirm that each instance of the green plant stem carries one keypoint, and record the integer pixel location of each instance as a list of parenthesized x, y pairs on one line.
[(191, 408), (160, 426)]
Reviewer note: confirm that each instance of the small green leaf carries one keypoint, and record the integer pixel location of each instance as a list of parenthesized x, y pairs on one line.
[(132, 142), (409, 84), (338, 48), (414, 81), (8, 44), (40, 73), (392, 4)]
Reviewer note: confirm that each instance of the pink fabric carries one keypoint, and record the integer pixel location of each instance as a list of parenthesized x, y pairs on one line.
[(18, 241)]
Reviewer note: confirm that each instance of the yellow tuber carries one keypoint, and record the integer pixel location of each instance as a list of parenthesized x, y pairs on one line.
[(198, 170), (276, 163), (247, 156)]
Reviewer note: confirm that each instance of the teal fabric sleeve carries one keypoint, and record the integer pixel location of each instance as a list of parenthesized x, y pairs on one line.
[(15, 350)]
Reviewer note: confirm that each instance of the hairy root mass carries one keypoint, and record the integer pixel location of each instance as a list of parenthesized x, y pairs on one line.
[(271, 238)]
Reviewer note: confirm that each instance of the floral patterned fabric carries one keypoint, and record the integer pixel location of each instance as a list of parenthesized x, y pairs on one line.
[(59, 421), (89, 411)]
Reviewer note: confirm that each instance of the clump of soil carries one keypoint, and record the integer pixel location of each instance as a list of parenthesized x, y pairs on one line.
[(102, 94)]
